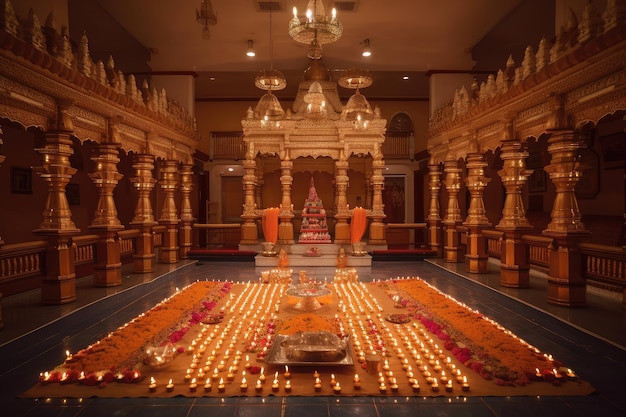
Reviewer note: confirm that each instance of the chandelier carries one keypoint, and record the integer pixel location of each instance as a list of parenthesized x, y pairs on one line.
[(271, 79), (206, 17), (316, 29)]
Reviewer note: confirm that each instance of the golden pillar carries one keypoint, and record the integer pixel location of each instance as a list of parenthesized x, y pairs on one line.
[(434, 219), (476, 257), (249, 229), (377, 227), (342, 212), (143, 182), (452, 250), (566, 283), (514, 258), (185, 231), (59, 283), (168, 182), (285, 227), (108, 267)]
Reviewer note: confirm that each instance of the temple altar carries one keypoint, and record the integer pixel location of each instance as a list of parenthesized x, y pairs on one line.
[(319, 126)]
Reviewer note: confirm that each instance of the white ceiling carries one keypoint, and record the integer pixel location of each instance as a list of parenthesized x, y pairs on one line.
[(406, 37)]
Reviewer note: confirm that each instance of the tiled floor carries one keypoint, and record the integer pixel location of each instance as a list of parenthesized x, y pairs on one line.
[(592, 340)]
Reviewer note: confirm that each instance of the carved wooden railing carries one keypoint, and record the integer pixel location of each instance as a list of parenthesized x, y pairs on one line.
[(538, 251), (127, 241), (415, 227), (19, 261), (605, 265), (226, 145), (494, 243), (216, 234), (398, 146)]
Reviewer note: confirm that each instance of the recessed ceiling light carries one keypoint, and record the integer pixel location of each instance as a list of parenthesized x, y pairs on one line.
[(212, 78), (405, 77), (231, 169)]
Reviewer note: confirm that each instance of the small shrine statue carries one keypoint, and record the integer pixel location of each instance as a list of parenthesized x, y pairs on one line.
[(342, 259), (283, 259)]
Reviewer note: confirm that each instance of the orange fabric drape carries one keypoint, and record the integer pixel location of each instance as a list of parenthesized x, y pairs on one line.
[(269, 223), (358, 224)]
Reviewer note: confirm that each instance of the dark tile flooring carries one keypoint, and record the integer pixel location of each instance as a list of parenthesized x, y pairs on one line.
[(591, 340)]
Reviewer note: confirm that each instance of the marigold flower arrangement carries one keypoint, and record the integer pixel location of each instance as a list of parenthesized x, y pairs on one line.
[(116, 356), (481, 344), (306, 322)]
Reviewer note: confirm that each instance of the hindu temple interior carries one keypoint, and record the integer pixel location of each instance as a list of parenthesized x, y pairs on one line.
[(330, 156)]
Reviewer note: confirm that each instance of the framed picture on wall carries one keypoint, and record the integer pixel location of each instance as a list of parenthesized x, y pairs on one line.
[(21, 180), (394, 198)]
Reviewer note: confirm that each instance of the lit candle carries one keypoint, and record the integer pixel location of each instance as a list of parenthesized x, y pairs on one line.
[(416, 387), (449, 385), (152, 386), (259, 386), (288, 386), (435, 386), (244, 385), (193, 385), (170, 386), (337, 388), (317, 385), (207, 385), (262, 374), (287, 373), (221, 387), (465, 385), (570, 374)]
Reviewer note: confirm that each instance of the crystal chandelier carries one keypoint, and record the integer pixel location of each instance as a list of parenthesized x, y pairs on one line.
[(358, 110), (206, 17), (316, 29)]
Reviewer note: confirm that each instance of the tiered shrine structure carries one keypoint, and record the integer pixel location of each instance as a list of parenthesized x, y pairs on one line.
[(314, 228)]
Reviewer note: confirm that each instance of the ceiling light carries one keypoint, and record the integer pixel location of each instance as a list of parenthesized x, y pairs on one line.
[(270, 80), (367, 51), (405, 77), (206, 17), (316, 26), (250, 51)]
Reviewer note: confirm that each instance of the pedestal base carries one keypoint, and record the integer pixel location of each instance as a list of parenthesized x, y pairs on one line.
[(513, 276), (108, 276), (60, 290), (566, 295), (477, 264)]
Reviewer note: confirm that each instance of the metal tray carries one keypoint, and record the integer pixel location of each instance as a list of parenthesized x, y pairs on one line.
[(278, 356)]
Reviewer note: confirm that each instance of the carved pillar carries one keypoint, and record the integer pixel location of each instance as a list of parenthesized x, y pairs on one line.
[(452, 251), (2, 158), (476, 257), (249, 229), (185, 232), (168, 182), (342, 213), (566, 284), (434, 219), (59, 283), (285, 228), (108, 267), (377, 227), (514, 262), (143, 182)]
